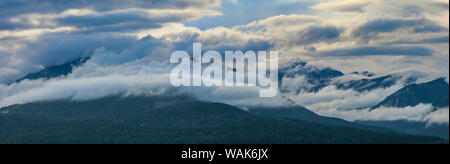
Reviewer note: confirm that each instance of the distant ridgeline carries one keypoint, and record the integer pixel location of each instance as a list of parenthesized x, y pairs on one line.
[(180, 120), (435, 92), (319, 78), (54, 71), (164, 119)]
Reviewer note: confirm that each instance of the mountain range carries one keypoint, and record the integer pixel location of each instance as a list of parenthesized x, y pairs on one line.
[(318, 78), (180, 120), (435, 92), (185, 120)]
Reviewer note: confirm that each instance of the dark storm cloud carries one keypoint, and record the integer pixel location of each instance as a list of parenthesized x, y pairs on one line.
[(443, 39), (58, 49), (251, 45), (316, 34), (216, 43), (10, 8), (429, 27), (380, 51), (431, 40), (371, 29), (102, 19), (124, 21), (13, 8)]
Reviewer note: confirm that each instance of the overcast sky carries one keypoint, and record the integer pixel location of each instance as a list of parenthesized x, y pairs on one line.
[(128, 39), (380, 36)]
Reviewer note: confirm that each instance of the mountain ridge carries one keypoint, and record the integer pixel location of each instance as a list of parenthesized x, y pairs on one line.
[(435, 92), (53, 71), (170, 120)]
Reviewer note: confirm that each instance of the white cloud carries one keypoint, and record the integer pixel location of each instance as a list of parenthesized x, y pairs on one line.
[(332, 98), (441, 116), (419, 113), (87, 88), (344, 5)]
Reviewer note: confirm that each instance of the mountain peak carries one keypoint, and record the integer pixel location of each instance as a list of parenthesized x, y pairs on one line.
[(435, 92), (54, 71)]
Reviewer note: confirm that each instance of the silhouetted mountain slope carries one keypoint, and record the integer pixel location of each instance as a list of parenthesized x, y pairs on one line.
[(303, 114), (54, 71), (169, 120), (435, 92), (413, 128)]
